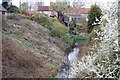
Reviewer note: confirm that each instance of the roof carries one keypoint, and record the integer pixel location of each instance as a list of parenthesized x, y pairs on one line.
[(31, 11), (77, 12), (43, 8), (2, 8)]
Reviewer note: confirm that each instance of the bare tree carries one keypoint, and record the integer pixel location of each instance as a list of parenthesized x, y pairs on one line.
[(59, 7), (24, 6), (78, 3)]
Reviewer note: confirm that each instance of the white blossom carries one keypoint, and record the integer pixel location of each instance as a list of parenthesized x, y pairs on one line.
[(101, 63)]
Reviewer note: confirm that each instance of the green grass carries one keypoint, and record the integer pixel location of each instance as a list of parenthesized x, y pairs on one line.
[(25, 43), (80, 37), (69, 40), (20, 40)]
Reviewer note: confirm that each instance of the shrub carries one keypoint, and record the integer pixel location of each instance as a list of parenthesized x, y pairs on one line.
[(94, 13), (79, 25), (16, 16), (69, 40), (51, 68), (92, 34), (59, 30), (104, 22), (80, 37), (22, 11), (54, 19), (13, 9), (42, 19)]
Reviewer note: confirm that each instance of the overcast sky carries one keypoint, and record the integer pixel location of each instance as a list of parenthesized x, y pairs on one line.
[(16, 2), (47, 2)]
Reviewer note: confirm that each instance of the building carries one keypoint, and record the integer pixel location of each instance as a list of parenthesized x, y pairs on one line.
[(78, 13), (30, 12), (3, 11), (45, 9)]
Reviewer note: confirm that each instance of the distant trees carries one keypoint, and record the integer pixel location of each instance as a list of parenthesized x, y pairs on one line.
[(24, 6), (78, 3), (59, 7), (94, 17)]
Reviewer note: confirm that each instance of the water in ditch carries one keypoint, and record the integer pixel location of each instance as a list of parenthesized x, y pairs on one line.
[(65, 67)]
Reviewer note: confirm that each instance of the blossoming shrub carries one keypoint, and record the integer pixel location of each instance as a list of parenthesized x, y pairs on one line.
[(105, 61)]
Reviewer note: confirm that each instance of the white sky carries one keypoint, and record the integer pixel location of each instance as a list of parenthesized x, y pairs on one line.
[(16, 2), (47, 2)]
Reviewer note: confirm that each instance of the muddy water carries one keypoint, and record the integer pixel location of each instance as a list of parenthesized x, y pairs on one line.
[(66, 65)]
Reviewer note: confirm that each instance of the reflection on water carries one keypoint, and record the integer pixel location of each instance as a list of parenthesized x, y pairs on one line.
[(65, 68), (73, 55)]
